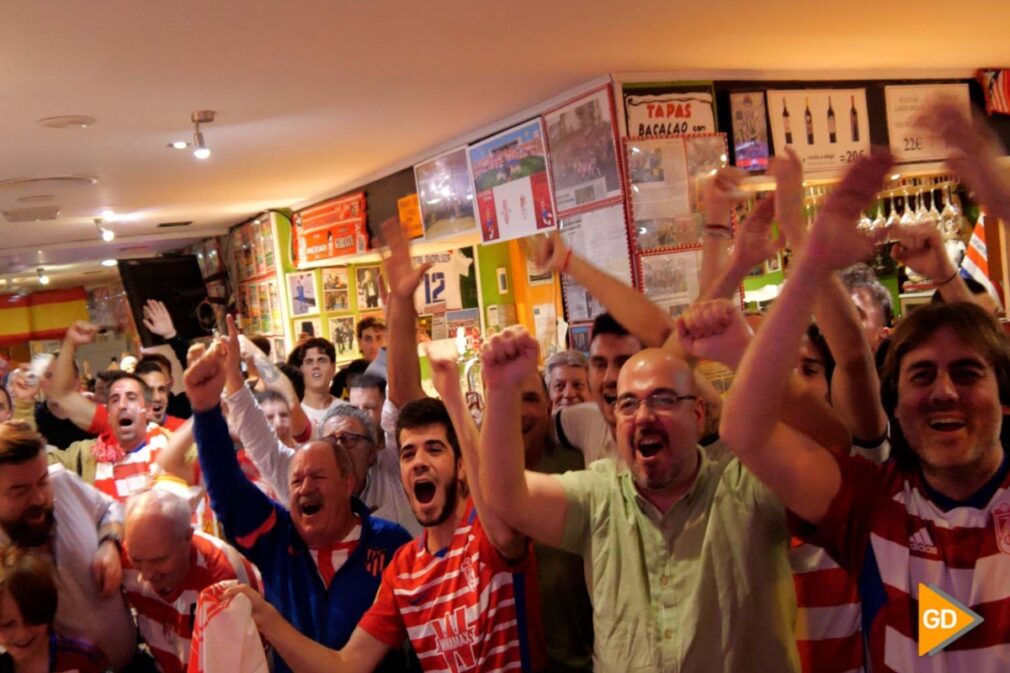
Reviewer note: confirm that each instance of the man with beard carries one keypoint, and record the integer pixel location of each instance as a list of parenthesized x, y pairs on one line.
[(685, 553), (165, 566), (152, 373), (123, 456), (323, 557), (49, 509), (463, 592), (937, 513)]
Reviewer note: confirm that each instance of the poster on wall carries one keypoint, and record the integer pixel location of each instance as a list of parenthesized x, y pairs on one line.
[(445, 195), (336, 291), (904, 105), (341, 333), (511, 183), (334, 228), (828, 128), (656, 109), (750, 130), (665, 181), (601, 238), (582, 146), (302, 290), (442, 283), (409, 210), (368, 280), (671, 279)]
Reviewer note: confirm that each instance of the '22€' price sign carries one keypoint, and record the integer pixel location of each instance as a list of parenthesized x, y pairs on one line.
[(905, 104)]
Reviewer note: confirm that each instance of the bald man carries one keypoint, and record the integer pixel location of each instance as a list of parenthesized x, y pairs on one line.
[(685, 552), (165, 566)]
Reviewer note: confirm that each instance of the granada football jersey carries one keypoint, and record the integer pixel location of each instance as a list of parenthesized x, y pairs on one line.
[(888, 528), (464, 608)]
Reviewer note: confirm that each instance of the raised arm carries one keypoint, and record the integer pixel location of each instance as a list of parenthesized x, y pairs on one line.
[(920, 248), (855, 386), (722, 194), (531, 503), (445, 373), (267, 452), (274, 379), (63, 387), (975, 155), (644, 319), (158, 321), (753, 245), (403, 368), (246, 513), (798, 469)]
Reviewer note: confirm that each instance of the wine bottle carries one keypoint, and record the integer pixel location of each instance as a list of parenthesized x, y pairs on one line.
[(854, 119), (810, 124), (785, 123), (832, 137)]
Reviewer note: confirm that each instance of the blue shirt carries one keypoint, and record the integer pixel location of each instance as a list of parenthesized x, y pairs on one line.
[(263, 530)]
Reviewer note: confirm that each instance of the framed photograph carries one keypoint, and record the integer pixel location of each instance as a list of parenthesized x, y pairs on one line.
[(336, 290), (302, 290), (368, 281), (671, 279), (665, 181), (312, 327), (511, 183), (750, 130), (445, 192), (579, 336), (582, 148), (774, 263), (341, 333)]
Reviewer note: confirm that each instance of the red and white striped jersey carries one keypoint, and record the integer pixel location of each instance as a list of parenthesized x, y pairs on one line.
[(829, 631), (330, 559), (167, 625), (464, 608), (134, 471), (888, 529)]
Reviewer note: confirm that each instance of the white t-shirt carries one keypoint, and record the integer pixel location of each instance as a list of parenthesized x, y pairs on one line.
[(316, 416), (441, 282), (583, 427)]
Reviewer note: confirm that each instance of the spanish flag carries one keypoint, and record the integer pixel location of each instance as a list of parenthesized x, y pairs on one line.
[(40, 315)]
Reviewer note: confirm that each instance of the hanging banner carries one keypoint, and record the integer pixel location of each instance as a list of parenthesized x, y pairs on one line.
[(334, 228), (828, 128), (511, 183), (905, 104)]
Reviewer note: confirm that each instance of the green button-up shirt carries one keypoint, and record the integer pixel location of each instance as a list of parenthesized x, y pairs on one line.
[(704, 587)]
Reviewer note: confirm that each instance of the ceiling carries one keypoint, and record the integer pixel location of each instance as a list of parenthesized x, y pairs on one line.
[(317, 96)]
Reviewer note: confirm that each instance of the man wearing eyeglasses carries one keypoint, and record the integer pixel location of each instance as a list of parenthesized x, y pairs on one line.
[(322, 557), (685, 553)]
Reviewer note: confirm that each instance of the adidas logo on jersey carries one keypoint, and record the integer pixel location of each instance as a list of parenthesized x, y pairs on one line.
[(922, 542)]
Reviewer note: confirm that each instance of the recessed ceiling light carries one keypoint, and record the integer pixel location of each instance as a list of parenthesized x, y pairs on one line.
[(108, 215), (108, 262), (179, 145), (66, 122)]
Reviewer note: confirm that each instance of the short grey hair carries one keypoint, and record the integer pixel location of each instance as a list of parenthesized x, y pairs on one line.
[(349, 411), (160, 502), (565, 359)]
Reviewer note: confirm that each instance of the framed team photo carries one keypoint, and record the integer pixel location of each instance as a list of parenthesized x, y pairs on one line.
[(445, 193), (341, 333), (336, 290)]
